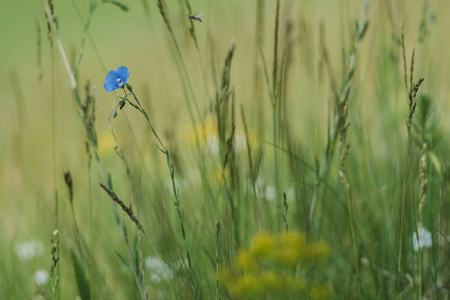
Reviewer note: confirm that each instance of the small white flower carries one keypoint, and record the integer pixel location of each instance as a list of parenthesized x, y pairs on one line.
[(212, 143), (240, 142), (425, 240), (270, 193), (41, 277), (155, 278), (159, 270), (28, 250), (290, 195)]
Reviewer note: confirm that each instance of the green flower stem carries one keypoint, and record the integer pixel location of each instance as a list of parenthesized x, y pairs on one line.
[(165, 150)]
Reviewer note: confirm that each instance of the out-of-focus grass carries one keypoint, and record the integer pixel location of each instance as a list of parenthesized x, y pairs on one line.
[(377, 109)]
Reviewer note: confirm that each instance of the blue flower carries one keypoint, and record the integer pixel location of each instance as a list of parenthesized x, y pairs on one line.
[(116, 79)]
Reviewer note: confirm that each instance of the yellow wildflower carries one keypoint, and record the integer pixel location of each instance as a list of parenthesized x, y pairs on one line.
[(320, 291), (295, 284), (291, 248), (106, 143), (272, 281), (263, 245), (247, 286), (205, 131), (245, 260), (265, 265), (317, 251)]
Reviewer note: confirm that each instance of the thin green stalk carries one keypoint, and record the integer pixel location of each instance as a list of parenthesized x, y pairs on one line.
[(275, 51), (339, 106), (344, 147), (234, 215), (355, 246), (252, 170), (86, 32), (58, 268), (72, 81), (182, 70), (218, 224), (143, 288), (407, 175), (406, 193), (184, 77), (77, 231), (404, 60), (93, 137), (420, 269), (133, 196), (130, 257), (273, 100), (441, 218), (122, 229), (274, 116), (170, 166), (54, 128), (275, 150), (402, 217), (91, 228), (257, 69), (420, 228)]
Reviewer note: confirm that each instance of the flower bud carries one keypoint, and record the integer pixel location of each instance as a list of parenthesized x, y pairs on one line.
[(129, 87)]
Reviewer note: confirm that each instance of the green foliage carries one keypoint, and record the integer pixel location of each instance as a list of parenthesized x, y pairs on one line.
[(270, 116), (80, 276)]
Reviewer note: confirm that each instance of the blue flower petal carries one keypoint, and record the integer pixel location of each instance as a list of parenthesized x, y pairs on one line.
[(110, 86), (123, 73), (112, 76), (116, 79)]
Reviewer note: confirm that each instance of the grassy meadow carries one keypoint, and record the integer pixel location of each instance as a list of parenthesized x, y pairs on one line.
[(275, 150)]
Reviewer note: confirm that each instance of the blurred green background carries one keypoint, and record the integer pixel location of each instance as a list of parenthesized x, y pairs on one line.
[(42, 136)]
